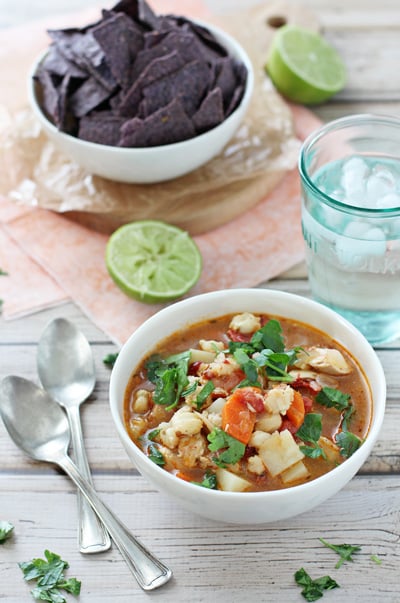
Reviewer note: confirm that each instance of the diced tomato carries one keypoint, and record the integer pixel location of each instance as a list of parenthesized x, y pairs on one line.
[(226, 382), (286, 424), (309, 384), (194, 367), (308, 403), (241, 337)]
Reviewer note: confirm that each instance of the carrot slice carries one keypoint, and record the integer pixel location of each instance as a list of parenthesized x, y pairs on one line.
[(296, 411), (237, 418), (183, 476)]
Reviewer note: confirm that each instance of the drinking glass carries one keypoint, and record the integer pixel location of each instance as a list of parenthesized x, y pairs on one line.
[(350, 181)]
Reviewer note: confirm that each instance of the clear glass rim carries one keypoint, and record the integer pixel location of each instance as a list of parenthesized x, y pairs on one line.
[(337, 124)]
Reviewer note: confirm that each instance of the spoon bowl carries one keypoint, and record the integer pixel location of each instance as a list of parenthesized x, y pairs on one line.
[(65, 363), (34, 406), (66, 370), (37, 425)]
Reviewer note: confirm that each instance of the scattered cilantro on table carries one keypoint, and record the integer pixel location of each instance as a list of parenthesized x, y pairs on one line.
[(109, 359), (345, 551), (6, 529), (314, 589), (50, 579)]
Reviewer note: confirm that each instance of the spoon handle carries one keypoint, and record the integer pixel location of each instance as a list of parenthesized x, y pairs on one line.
[(149, 571), (92, 535)]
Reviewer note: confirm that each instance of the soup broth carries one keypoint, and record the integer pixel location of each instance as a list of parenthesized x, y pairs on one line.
[(248, 402)]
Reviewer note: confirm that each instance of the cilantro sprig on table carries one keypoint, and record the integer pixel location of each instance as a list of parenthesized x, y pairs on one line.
[(50, 579), (314, 589), (6, 529), (345, 551), (266, 352)]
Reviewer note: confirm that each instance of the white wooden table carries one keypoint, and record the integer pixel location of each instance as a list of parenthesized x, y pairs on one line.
[(214, 562)]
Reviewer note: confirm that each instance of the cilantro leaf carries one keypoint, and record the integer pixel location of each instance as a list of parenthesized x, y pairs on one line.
[(248, 365), (345, 551), (3, 272), (153, 434), (203, 394), (310, 432), (209, 481), (49, 574), (348, 443), (333, 398), (169, 376), (6, 529), (269, 337), (314, 589), (155, 455), (229, 448), (109, 359)]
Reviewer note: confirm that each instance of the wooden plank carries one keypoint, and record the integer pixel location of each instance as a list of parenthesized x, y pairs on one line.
[(211, 561)]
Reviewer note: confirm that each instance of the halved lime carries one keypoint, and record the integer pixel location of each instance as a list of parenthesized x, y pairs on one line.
[(303, 66), (153, 261)]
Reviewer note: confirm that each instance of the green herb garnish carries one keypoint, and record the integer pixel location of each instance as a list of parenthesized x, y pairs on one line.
[(376, 559), (348, 443), (155, 455), (3, 272), (229, 448), (49, 574), (265, 351), (6, 529), (169, 376), (314, 589), (333, 398), (203, 394), (109, 359), (153, 434), (310, 432), (209, 481), (344, 550)]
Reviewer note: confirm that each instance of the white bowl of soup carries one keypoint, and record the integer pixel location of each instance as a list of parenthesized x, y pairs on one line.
[(247, 405)]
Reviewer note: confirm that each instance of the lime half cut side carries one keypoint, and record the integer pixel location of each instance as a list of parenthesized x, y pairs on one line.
[(304, 67), (153, 261)]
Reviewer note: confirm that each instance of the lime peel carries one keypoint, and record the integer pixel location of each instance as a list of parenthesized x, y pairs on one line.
[(303, 66), (152, 261)]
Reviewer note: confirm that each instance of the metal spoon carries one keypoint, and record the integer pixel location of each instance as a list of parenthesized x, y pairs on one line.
[(38, 426), (66, 370)]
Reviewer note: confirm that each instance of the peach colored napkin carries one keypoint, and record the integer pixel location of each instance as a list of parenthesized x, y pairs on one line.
[(253, 248)]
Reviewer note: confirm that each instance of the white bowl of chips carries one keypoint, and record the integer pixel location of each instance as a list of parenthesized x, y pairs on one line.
[(146, 114)]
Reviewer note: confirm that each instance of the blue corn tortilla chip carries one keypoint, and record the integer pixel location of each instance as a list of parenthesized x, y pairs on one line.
[(157, 69), (80, 47), (101, 127), (225, 78), (56, 63), (121, 40), (210, 113), (87, 97), (145, 79), (167, 125), (138, 10), (190, 84)]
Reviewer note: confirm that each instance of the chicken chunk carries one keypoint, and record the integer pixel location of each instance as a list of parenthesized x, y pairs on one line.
[(245, 323), (142, 401), (278, 399), (325, 360)]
